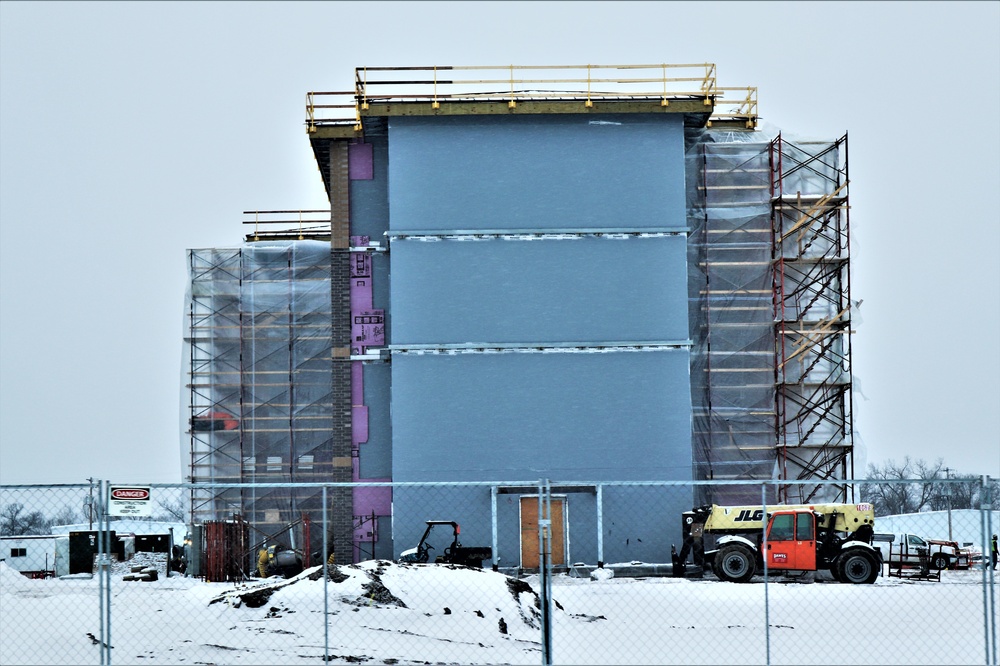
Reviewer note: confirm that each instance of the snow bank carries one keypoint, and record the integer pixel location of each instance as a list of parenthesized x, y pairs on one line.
[(11, 579), (384, 613), (507, 603)]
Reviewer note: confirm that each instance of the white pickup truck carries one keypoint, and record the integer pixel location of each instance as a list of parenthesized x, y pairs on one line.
[(902, 549)]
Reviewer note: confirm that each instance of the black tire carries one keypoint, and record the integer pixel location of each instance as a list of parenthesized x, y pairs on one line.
[(735, 563), (940, 561), (857, 568), (715, 566), (835, 573)]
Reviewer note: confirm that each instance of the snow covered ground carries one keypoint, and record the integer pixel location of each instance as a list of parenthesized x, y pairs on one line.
[(384, 613)]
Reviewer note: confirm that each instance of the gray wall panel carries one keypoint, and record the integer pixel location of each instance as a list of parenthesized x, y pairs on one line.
[(375, 456), (539, 172), (600, 416), (505, 291)]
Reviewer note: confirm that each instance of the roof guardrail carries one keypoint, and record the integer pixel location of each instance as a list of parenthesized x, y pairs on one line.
[(514, 84)]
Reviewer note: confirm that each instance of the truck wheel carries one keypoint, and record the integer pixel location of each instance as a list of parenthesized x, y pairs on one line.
[(856, 568), (734, 563), (940, 561)]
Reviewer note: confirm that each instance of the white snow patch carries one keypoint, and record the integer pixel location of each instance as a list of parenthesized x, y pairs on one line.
[(380, 612), (602, 574)]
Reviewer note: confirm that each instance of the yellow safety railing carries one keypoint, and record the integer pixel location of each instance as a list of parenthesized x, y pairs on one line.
[(513, 84), (741, 107)]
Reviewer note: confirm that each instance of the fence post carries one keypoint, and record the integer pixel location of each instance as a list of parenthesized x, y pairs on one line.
[(763, 557), (545, 590), (600, 526), (493, 522), (326, 577), (989, 600), (106, 564), (100, 571)]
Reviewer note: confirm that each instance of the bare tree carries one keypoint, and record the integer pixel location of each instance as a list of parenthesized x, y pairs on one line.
[(894, 495), (925, 487), (15, 522), (916, 485), (983, 496), (65, 516), (169, 511)]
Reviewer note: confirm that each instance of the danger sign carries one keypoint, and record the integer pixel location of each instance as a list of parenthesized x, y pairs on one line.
[(129, 501)]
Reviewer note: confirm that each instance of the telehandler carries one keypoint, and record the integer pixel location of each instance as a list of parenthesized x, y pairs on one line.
[(803, 537)]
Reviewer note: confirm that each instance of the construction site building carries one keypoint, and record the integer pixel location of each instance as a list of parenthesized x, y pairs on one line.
[(598, 274)]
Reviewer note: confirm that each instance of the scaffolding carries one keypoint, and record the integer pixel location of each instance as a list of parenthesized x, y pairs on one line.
[(730, 313), (259, 392), (769, 289), (810, 226)]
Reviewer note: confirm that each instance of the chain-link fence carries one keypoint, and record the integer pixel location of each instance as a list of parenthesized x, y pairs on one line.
[(500, 573)]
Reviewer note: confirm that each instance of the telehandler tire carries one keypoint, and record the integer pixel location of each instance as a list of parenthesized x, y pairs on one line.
[(857, 567), (735, 563)]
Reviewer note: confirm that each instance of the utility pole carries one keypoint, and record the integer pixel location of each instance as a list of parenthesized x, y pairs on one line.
[(947, 494), (90, 503)]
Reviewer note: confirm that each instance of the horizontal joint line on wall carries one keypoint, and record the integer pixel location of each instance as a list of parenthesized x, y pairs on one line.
[(533, 234), (538, 348)]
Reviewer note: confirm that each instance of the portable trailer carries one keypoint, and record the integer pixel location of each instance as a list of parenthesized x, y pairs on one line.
[(32, 555)]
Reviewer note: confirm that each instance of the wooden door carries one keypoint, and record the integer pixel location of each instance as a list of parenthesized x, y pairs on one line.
[(529, 531)]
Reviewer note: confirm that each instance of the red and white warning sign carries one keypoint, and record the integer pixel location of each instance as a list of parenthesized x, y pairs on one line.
[(130, 501)]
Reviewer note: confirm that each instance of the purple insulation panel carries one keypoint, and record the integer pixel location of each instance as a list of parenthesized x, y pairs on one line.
[(361, 281), (359, 161), (359, 423), (358, 389), (367, 323), (373, 498), (361, 262), (367, 329)]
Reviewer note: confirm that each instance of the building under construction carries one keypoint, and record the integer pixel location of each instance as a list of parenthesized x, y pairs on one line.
[(598, 273)]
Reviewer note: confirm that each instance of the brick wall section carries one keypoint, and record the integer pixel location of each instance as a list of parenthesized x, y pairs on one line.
[(341, 499), (340, 211)]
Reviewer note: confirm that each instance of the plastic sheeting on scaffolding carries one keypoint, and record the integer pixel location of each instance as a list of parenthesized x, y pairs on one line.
[(259, 354), (735, 183)]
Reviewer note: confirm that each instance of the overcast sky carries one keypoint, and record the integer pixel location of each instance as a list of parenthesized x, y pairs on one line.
[(130, 132)]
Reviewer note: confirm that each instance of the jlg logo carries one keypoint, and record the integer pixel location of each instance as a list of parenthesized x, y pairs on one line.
[(749, 515)]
